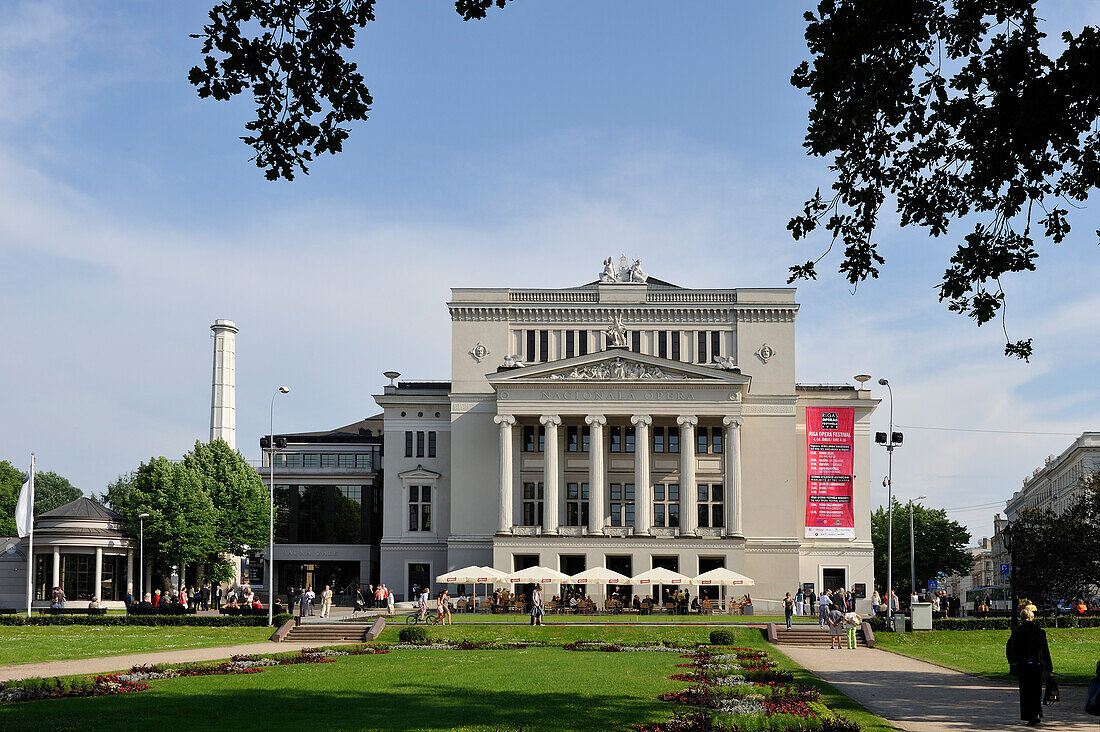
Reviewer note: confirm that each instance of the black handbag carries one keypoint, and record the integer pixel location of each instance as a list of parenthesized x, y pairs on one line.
[(1052, 691)]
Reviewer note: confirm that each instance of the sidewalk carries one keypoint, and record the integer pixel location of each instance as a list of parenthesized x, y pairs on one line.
[(107, 664), (921, 697)]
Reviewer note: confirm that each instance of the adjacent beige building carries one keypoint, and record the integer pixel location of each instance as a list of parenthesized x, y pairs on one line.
[(627, 423)]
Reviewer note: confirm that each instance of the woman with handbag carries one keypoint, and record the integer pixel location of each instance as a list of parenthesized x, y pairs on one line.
[(1029, 660)]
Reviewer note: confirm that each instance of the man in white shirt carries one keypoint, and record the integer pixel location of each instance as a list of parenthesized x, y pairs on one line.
[(422, 603), (824, 604), (310, 597)]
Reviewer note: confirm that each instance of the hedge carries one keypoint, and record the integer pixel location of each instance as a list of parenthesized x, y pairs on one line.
[(722, 638), (206, 621), (412, 634), (878, 624)]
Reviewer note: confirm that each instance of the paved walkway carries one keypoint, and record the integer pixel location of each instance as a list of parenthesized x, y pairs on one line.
[(921, 697), (107, 664)]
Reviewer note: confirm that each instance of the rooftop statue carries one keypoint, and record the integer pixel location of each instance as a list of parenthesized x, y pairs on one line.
[(624, 272), (617, 332)]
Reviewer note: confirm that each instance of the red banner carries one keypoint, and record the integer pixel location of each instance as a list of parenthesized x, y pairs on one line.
[(829, 443)]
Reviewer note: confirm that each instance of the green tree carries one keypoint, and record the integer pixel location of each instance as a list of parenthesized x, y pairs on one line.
[(52, 490), (940, 545), (11, 480), (180, 527), (237, 493)]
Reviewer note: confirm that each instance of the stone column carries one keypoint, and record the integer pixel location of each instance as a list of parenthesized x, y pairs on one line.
[(550, 474), (506, 515), (57, 567), (130, 586), (98, 586), (643, 488), (733, 475), (596, 512), (689, 518)]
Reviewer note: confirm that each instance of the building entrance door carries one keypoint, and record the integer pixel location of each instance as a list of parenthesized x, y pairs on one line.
[(624, 566), (706, 564), (833, 578), (419, 577)]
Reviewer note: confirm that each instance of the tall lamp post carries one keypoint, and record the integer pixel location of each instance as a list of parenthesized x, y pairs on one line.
[(891, 440), (141, 557), (912, 546), (271, 514), (1014, 607)]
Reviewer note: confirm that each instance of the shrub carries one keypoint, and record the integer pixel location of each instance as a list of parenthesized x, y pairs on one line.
[(878, 624), (722, 638), (207, 621), (413, 634)]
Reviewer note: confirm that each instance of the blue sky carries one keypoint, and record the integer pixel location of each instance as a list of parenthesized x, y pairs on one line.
[(520, 150)]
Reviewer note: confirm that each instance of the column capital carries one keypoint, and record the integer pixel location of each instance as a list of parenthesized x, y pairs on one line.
[(687, 419), (505, 420), (732, 421), (641, 420), (596, 420), (550, 420)]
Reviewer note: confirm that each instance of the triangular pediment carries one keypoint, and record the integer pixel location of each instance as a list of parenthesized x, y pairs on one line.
[(419, 473), (619, 365)]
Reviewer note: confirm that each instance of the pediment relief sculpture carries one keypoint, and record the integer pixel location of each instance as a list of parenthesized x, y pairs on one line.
[(614, 370)]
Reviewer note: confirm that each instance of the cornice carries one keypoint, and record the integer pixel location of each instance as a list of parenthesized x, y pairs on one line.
[(597, 316)]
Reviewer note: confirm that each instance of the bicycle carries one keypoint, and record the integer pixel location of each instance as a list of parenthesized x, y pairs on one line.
[(430, 618)]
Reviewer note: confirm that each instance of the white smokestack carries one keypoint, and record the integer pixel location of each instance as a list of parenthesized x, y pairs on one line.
[(223, 391)]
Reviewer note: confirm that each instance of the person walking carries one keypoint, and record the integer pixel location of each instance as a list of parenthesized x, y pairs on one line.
[(823, 605), (326, 601), (389, 601), (812, 597), (1092, 695), (788, 609), (536, 605), (310, 597), (798, 599), (1029, 660), (876, 600), (443, 607), (303, 604)]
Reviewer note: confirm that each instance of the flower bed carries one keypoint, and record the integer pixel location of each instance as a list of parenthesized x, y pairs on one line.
[(737, 688)]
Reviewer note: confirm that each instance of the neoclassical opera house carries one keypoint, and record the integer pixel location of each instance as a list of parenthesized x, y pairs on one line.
[(80, 547), (628, 423)]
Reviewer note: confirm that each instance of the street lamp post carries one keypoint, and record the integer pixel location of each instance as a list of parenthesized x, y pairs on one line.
[(1014, 608), (141, 557), (271, 514), (890, 440), (912, 547)]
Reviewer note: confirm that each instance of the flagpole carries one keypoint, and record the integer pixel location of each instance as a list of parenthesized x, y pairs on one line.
[(30, 546)]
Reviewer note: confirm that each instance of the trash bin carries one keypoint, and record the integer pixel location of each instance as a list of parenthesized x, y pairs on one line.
[(901, 622), (921, 614)]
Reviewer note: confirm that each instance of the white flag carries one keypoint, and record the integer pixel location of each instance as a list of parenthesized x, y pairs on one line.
[(24, 510)]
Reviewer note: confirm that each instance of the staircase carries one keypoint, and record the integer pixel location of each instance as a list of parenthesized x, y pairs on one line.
[(334, 632), (811, 635)]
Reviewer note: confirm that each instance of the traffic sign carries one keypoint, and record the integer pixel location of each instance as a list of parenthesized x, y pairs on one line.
[(932, 584), (1004, 569)]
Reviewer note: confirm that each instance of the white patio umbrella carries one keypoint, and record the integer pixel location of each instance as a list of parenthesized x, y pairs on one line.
[(599, 576), (536, 575), (722, 577), (660, 576), (472, 574)]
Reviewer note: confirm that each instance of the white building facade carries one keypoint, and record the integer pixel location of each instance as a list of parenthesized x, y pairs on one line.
[(627, 423), (1059, 481)]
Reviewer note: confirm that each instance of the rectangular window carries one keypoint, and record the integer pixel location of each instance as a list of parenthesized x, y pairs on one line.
[(582, 342), (532, 504), (701, 446), (715, 343), (658, 439), (348, 516), (528, 438), (576, 504), (615, 439), (636, 341), (431, 444), (77, 576), (311, 460), (408, 444), (716, 440), (666, 504), (542, 439), (675, 345), (280, 461), (673, 439), (347, 460), (420, 444), (622, 504), (662, 343), (629, 431), (710, 506), (586, 439), (420, 508), (294, 460), (311, 513), (363, 460), (572, 439), (701, 355), (328, 460), (570, 340)]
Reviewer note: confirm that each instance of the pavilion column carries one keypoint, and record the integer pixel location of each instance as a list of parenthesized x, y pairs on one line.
[(733, 475), (643, 488), (98, 586), (507, 486), (596, 516), (130, 586), (689, 516), (550, 474), (57, 567)]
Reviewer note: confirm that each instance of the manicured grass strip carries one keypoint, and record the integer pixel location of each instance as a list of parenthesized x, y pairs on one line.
[(627, 618), (535, 689), (33, 644), (566, 633), (982, 652)]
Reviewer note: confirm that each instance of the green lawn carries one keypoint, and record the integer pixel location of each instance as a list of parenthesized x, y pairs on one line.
[(542, 688), (1074, 651), (629, 633), (624, 618), (34, 643)]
